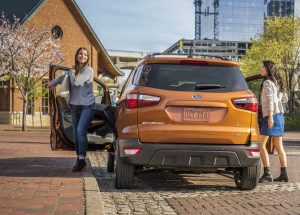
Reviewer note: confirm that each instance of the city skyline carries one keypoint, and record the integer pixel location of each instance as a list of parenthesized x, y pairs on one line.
[(237, 20), (154, 26)]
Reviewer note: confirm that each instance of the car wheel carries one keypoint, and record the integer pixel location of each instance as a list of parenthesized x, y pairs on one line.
[(246, 178), (110, 162), (124, 173)]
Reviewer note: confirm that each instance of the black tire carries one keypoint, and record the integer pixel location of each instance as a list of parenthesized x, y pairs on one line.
[(247, 178), (110, 162), (124, 174)]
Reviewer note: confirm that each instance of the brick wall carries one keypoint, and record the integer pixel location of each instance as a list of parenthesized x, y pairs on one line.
[(55, 12)]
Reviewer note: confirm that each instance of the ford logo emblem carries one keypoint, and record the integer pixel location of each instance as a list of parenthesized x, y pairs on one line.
[(198, 97)]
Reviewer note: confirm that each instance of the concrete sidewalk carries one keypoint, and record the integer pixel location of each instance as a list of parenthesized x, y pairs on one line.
[(6, 127), (36, 180), (292, 136)]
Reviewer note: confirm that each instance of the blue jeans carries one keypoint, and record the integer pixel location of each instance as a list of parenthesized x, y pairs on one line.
[(81, 118)]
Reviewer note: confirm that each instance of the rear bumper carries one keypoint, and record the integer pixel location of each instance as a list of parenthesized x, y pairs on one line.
[(189, 155)]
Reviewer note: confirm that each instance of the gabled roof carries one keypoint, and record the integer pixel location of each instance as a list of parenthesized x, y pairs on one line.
[(20, 8), (111, 67), (24, 9)]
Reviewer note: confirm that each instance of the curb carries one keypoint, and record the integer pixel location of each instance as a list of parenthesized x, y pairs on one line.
[(27, 129), (93, 200), (291, 142)]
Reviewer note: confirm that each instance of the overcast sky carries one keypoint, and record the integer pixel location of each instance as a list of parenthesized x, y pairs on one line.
[(140, 25)]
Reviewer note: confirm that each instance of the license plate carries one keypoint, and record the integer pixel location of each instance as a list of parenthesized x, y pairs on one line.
[(195, 114)]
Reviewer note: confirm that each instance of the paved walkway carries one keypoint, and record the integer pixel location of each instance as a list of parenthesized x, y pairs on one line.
[(36, 180), (185, 193)]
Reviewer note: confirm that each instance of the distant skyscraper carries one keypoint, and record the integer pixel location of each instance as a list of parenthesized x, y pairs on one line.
[(297, 9), (237, 20), (279, 7), (230, 20)]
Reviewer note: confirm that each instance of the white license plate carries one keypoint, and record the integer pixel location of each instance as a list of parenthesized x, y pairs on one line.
[(196, 114)]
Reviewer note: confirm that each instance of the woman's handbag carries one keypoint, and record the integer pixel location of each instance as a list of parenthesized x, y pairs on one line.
[(270, 146), (63, 91)]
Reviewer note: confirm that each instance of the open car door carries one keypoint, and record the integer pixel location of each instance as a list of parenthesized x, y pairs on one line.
[(101, 129), (255, 85)]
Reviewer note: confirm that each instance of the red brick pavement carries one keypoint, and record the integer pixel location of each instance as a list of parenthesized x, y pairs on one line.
[(36, 180), (271, 202), (259, 203)]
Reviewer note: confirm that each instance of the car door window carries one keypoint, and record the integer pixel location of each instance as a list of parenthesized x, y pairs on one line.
[(126, 83), (137, 75), (64, 111), (255, 87), (98, 93)]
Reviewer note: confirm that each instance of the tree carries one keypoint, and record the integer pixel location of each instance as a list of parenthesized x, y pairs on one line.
[(280, 43), (9, 45), (28, 51)]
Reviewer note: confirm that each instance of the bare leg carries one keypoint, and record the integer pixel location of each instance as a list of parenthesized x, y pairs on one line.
[(265, 159), (283, 161), (281, 152), (263, 151)]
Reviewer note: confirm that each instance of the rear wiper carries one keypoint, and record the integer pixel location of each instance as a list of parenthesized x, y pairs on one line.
[(180, 83), (208, 86)]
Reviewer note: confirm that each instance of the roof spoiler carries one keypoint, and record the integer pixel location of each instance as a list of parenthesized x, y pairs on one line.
[(158, 55)]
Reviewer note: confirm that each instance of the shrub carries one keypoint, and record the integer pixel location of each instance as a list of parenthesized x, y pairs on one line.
[(292, 122)]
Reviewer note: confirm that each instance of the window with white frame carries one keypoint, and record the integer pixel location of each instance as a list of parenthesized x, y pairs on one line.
[(45, 101), (4, 84)]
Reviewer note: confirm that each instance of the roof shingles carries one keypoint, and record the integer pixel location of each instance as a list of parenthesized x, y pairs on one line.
[(19, 8), (23, 9)]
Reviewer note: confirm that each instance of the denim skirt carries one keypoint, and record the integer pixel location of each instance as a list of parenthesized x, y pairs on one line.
[(276, 130)]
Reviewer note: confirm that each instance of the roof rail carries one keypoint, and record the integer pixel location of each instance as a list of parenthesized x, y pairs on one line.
[(184, 55)]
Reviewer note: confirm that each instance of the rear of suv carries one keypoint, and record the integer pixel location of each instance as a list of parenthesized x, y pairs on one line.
[(186, 113)]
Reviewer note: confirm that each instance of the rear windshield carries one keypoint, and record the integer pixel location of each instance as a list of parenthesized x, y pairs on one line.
[(190, 78)]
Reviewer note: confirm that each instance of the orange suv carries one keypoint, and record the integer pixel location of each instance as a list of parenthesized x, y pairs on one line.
[(186, 113)]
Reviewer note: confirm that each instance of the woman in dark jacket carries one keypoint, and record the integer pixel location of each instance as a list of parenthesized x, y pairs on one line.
[(82, 102)]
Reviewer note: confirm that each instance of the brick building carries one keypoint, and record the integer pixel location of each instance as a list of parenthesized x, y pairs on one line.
[(68, 25)]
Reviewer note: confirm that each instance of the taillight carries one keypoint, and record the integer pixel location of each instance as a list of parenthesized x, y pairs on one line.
[(147, 100), (254, 153), (131, 151), (249, 103), (140, 100), (131, 101), (190, 62)]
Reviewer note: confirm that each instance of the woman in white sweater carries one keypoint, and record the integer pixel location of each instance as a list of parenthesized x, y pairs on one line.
[(272, 96)]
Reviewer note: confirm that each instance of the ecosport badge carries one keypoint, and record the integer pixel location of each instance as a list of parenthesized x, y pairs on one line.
[(198, 97)]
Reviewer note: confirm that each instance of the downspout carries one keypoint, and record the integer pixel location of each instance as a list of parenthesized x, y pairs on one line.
[(13, 94), (92, 56)]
